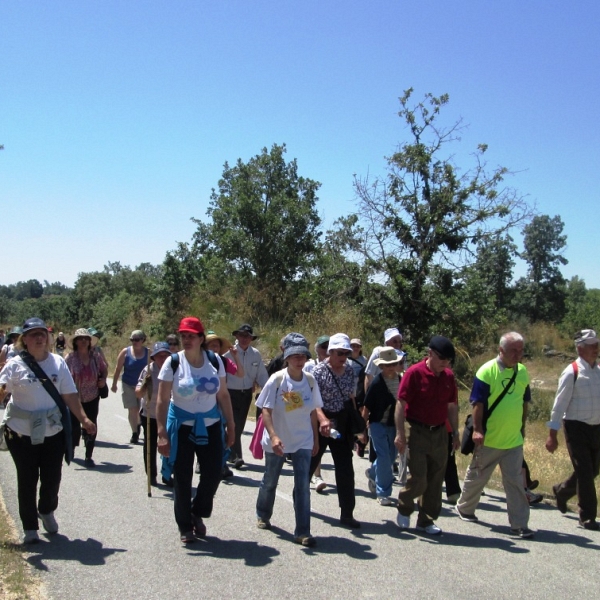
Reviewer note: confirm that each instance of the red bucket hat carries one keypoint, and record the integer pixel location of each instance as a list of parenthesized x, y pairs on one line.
[(191, 325)]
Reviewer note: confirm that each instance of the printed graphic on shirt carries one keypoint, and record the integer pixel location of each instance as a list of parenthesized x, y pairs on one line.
[(293, 400), (208, 385)]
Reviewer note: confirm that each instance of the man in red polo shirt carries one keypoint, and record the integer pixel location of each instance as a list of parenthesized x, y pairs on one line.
[(428, 395)]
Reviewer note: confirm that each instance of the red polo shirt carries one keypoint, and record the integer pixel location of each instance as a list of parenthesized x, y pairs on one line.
[(426, 395)]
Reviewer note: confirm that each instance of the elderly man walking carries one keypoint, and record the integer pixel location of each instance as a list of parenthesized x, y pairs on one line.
[(428, 395), (577, 404), (502, 385)]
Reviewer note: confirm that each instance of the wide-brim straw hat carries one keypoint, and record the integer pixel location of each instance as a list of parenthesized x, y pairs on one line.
[(83, 332)]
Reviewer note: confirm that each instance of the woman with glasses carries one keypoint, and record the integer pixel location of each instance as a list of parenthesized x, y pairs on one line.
[(89, 373), (337, 384), (131, 361), (193, 403)]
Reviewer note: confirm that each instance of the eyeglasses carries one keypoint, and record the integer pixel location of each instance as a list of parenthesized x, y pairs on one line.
[(341, 353), (136, 339)]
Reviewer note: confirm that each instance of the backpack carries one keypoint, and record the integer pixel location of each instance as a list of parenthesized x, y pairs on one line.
[(279, 379), (211, 357), (360, 388)]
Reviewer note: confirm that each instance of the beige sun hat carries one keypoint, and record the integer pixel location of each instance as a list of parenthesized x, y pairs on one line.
[(82, 332)]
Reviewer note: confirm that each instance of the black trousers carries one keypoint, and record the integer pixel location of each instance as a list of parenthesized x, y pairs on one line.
[(39, 462), (150, 437), (210, 459), (240, 403), (451, 476), (341, 452), (583, 444), (91, 409)]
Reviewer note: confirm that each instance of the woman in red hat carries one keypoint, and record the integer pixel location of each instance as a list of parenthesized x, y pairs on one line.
[(193, 404)]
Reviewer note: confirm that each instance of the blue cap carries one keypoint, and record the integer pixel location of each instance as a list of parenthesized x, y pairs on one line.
[(159, 347), (34, 323)]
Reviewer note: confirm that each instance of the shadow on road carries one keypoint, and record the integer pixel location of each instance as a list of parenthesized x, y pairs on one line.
[(252, 553), (101, 444), (103, 467), (59, 547)]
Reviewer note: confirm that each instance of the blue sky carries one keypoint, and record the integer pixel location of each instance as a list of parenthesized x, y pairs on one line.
[(117, 117)]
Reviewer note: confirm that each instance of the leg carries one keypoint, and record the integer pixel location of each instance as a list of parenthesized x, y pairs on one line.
[(384, 476), (301, 465), (517, 505), (91, 410), (183, 471), (315, 461), (51, 458), (268, 485), (416, 482), (210, 459), (151, 438), (482, 466), (451, 475), (240, 403), (75, 431), (430, 504), (341, 452)]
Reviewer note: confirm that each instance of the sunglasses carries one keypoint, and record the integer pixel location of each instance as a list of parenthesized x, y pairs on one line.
[(341, 353), (136, 339)]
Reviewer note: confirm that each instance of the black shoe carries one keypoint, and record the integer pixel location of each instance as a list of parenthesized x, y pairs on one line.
[(350, 522), (590, 525), (135, 436), (238, 463), (533, 485), (89, 463), (153, 482), (168, 482), (561, 503), (226, 472), (521, 532)]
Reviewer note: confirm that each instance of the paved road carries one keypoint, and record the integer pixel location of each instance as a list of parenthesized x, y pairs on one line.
[(115, 542)]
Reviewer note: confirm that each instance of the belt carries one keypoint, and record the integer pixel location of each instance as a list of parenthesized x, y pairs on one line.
[(241, 391), (425, 426)]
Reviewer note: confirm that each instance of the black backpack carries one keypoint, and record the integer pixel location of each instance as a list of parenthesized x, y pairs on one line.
[(212, 357)]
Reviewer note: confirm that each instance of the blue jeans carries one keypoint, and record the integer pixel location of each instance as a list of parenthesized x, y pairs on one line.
[(268, 488), (382, 438)]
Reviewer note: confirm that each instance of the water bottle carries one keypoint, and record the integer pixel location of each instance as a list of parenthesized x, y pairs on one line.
[(335, 434)]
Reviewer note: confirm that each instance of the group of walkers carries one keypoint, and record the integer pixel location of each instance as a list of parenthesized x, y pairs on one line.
[(193, 403)]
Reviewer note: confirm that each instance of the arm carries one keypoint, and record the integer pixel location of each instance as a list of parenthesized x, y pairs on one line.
[(233, 351), (3, 354), (276, 443), (564, 393), (314, 421), (324, 422), (162, 407), (478, 433), (453, 420), (118, 368), (224, 402), (72, 401)]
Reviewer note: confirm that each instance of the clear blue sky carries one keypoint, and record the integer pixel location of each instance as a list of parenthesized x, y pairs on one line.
[(117, 117)]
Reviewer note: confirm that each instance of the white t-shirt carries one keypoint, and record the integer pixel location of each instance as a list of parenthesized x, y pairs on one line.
[(194, 390), (292, 404), (28, 392)]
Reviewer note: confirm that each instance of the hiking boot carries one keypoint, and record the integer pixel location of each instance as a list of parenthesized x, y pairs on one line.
[(49, 522), (466, 517), (263, 523), (308, 541), (561, 503)]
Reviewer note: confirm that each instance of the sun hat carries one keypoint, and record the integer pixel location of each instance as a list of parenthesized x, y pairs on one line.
[(159, 347), (339, 341), (586, 336), (84, 333), (16, 331), (224, 343), (390, 333), (356, 341), (33, 323), (443, 346), (245, 328), (387, 356), (191, 325), (295, 343)]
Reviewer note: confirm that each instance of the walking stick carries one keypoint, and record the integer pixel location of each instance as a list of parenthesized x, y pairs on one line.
[(147, 440)]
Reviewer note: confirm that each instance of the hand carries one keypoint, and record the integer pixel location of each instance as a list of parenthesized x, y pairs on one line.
[(113, 387), (230, 429), (88, 426), (315, 449), (325, 428), (277, 445), (478, 438), (164, 446), (233, 351), (400, 442), (551, 444), (456, 442)]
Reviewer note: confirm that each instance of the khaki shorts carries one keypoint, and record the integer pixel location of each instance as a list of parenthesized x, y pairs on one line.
[(128, 395)]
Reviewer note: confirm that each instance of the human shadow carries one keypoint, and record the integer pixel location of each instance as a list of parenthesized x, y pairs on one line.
[(102, 444), (103, 467), (252, 553), (59, 547)]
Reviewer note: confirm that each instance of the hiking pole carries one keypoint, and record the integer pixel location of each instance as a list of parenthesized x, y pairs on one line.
[(147, 437)]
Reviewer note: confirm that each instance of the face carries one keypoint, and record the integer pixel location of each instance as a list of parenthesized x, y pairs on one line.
[(355, 349), (160, 358), (395, 342), (174, 346), (390, 370), (589, 353), (214, 345), (322, 351), (436, 363), (512, 354), (137, 342), (81, 343), (191, 341), (36, 339), (243, 339), (338, 357), (297, 361)]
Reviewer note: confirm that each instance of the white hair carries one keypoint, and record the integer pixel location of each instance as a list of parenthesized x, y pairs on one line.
[(509, 338)]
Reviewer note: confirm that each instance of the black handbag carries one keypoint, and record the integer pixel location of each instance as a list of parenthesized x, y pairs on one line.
[(356, 423), (54, 393), (467, 445)]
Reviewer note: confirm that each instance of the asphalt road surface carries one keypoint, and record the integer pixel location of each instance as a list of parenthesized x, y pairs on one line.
[(115, 542)]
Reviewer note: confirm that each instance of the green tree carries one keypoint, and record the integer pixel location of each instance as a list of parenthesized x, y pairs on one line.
[(428, 213), (264, 220), (541, 295)]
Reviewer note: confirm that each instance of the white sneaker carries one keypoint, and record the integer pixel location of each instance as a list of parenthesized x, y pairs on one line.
[(49, 522), (31, 536), (385, 501), (402, 521), (432, 529), (319, 484)]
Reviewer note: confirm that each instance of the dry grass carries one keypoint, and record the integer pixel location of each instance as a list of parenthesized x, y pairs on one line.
[(17, 581)]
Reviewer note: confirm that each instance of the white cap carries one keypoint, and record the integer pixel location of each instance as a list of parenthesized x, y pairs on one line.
[(391, 333), (339, 341)]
